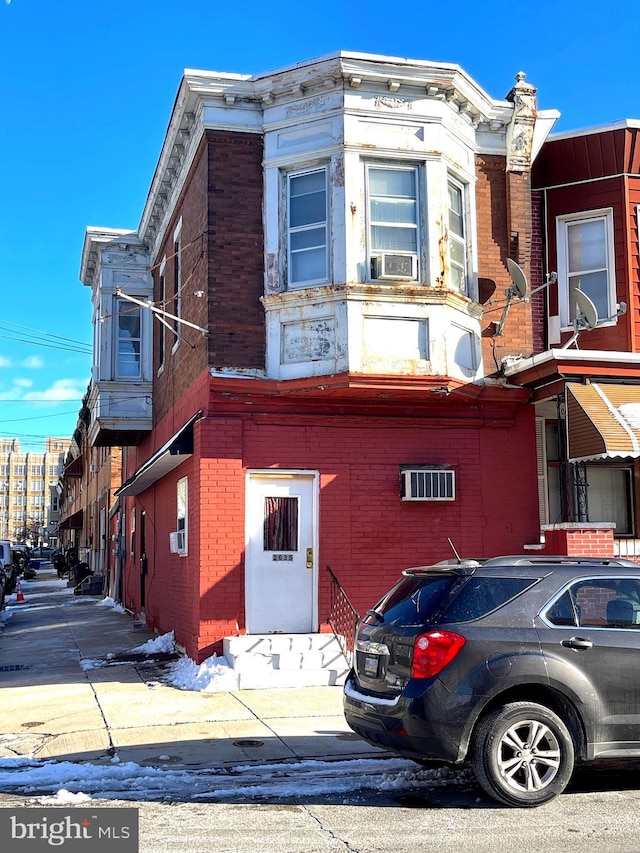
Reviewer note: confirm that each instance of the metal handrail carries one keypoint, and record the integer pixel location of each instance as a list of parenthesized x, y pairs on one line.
[(343, 618)]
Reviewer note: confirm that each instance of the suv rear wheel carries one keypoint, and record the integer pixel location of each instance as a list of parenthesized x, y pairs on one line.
[(523, 754)]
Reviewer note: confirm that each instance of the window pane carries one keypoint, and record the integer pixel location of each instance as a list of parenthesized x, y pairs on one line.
[(587, 246), (128, 344), (307, 210), (596, 288), (393, 239), (392, 182), (393, 210), (307, 199), (310, 183), (456, 253), (609, 496), (310, 238), (308, 266), (456, 221), (129, 322), (280, 524)]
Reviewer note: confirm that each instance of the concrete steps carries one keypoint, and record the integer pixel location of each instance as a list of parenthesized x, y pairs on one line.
[(286, 660)]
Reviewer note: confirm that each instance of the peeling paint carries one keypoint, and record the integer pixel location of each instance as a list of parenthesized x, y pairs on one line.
[(271, 273)]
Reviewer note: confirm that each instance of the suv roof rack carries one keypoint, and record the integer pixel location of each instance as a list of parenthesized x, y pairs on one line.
[(558, 559)]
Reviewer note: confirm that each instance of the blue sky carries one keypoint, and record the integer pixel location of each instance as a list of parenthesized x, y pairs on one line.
[(86, 91)]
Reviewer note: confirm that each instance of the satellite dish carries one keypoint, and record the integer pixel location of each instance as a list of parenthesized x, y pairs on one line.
[(586, 317), (586, 313), (518, 290), (518, 279)]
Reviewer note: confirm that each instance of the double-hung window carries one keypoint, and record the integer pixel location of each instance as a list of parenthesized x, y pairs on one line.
[(182, 499), (392, 193), (128, 364), (177, 283), (307, 227), (586, 262), (162, 342), (457, 240)]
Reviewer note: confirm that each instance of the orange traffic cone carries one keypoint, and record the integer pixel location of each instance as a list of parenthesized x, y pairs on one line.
[(19, 592)]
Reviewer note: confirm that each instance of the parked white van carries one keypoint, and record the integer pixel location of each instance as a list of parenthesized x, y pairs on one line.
[(7, 571)]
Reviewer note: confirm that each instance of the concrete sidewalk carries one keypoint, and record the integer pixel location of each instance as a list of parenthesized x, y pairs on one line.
[(52, 708)]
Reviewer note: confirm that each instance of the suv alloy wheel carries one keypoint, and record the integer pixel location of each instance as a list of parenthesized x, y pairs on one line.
[(523, 754)]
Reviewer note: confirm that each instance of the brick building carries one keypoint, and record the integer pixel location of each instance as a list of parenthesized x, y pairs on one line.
[(585, 378), (28, 496), (302, 347)]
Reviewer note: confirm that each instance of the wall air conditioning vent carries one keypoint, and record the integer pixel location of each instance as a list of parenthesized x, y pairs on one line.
[(427, 484), (394, 267)]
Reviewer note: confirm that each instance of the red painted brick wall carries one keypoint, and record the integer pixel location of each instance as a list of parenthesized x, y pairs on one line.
[(367, 534)]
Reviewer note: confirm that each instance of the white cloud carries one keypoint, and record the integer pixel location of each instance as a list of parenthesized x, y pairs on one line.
[(20, 382), (61, 389), (33, 361)]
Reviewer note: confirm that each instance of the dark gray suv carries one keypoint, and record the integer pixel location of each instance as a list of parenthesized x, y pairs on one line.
[(518, 666)]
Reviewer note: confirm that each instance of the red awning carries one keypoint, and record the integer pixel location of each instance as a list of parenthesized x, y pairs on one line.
[(74, 468), (73, 522)]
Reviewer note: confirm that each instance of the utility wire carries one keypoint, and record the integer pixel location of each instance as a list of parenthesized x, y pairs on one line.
[(46, 334)]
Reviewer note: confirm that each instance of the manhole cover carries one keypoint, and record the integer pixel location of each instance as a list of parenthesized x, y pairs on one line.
[(31, 725), (248, 744)]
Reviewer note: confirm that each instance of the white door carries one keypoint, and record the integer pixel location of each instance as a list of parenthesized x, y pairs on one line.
[(280, 566)]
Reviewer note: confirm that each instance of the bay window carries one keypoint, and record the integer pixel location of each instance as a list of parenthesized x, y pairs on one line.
[(392, 193), (457, 240), (307, 227), (128, 364)]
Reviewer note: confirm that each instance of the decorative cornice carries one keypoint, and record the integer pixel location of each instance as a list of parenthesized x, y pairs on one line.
[(394, 82)]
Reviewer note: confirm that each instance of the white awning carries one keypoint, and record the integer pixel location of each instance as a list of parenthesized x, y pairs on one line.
[(170, 455)]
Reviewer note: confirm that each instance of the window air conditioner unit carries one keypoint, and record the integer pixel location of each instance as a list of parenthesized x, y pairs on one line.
[(394, 267), (427, 484), (177, 542)]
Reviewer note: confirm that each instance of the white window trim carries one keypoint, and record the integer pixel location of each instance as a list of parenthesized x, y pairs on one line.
[(297, 285), (402, 166), (183, 533), (562, 222), (177, 286), (464, 192), (163, 305), (131, 307)]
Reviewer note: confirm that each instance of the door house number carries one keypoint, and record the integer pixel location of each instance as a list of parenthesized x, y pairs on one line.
[(282, 558)]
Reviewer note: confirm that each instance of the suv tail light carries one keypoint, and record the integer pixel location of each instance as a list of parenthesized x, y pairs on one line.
[(433, 651)]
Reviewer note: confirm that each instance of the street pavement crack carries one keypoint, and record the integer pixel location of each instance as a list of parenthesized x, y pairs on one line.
[(343, 845)]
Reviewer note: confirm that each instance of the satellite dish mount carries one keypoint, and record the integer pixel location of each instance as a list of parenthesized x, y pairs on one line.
[(519, 290), (586, 317)]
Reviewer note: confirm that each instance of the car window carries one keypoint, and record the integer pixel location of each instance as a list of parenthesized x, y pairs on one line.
[(415, 600), (599, 603), (481, 595)]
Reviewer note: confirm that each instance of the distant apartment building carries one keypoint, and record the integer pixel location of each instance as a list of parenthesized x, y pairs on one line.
[(28, 493)]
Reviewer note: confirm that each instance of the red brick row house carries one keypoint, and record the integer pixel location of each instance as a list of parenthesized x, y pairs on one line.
[(303, 346), (585, 380)]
